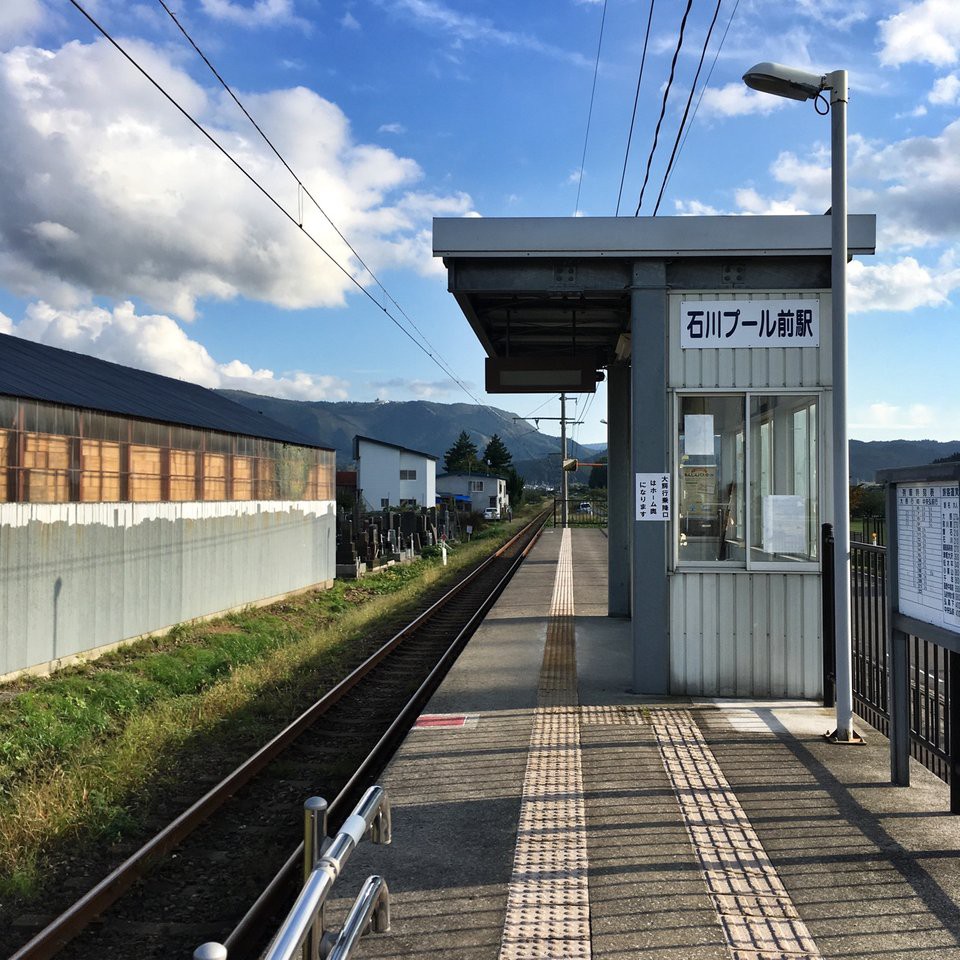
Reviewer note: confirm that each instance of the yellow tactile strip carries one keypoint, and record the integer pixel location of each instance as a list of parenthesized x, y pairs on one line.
[(548, 910), (755, 911)]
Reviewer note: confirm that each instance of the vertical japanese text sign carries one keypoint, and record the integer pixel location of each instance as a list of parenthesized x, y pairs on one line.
[(653, 496)]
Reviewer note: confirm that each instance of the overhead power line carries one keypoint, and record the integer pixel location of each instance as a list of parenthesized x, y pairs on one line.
[(636, 100), (279, 206), (706, 84), (663, 105), (593, 91), (686, 109)]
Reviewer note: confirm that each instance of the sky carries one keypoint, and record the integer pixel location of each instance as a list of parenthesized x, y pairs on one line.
[(126, 234)]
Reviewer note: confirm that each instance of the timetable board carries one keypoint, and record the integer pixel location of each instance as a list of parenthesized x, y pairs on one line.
[(928, 552)]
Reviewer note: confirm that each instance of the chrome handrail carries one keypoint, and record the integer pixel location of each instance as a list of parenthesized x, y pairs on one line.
[(302, 932)]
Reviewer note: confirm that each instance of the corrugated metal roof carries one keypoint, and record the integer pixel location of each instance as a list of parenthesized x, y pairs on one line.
[(386, 443), (41, 372)]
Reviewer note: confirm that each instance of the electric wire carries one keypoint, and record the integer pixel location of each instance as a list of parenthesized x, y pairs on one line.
[(636, 100), (686, 109), (276, 203), (706, 84), (300, 184), (593, 91), (663, 105)]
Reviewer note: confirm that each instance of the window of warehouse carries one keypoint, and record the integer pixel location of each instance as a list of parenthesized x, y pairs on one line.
[(408, 474), (748, 479)]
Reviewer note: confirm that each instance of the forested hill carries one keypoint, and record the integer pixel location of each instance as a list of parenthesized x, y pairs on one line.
[(867, 457), (418, 424)]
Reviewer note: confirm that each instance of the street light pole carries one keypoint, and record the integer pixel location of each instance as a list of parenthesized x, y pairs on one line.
[(781, 81)]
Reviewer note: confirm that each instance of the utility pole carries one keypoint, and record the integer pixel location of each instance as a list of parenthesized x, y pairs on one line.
[(564, 475)]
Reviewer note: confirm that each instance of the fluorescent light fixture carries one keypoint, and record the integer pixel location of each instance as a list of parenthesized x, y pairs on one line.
[(784, 81)]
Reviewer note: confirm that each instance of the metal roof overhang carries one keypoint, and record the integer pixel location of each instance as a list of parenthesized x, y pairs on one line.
[(556, 291)]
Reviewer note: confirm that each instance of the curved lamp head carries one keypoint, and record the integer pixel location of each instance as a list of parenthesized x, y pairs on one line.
[(784, 81)]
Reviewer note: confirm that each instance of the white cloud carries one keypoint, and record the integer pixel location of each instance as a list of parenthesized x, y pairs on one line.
[(420, 389), (18, 18), (110, 192), (391, 128), (261, 13), (928, 31), (464, 27), (158, 344), (886, 417), (349, 22), (901, 286), (946, 90), (737, 100)]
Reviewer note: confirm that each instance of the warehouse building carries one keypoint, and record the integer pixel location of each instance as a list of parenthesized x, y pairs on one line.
[(130, 502)]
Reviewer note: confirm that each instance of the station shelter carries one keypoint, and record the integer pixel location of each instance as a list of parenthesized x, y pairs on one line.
[(714, 336)]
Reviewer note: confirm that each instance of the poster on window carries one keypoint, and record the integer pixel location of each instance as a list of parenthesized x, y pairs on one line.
[(653, 496), (698, 435), (699, 497), (784, 524)]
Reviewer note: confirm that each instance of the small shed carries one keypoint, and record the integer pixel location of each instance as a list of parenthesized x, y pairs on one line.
[(715, 338)]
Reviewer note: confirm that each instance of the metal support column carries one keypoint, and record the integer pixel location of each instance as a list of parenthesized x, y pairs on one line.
[(898, 658), (564, 475), (649, 426), (619, 499)]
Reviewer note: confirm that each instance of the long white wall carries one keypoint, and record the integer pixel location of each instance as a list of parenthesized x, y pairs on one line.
[(75, 577)]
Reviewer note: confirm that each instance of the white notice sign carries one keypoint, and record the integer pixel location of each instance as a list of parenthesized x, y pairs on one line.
[(698, 434), (653, 496), (749, 323), (928, 545), (784, 524)]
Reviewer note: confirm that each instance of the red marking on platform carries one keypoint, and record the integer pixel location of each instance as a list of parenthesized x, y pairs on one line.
[(440, 720)]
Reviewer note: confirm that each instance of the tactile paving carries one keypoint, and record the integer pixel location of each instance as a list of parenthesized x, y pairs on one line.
[(548, 909), (755, 911)]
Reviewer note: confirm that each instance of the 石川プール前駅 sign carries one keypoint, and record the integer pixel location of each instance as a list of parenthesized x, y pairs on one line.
[(749, 323)]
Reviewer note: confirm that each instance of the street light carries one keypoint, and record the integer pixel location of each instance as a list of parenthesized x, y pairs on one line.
[(794, 84)]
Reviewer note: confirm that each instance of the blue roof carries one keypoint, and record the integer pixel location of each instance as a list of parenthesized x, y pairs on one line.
[(39, 372)]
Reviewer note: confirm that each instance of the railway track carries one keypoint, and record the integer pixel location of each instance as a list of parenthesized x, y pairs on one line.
[(228, 866)]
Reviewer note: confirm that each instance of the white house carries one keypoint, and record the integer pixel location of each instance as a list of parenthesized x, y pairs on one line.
[(389, 475), (484, 490)]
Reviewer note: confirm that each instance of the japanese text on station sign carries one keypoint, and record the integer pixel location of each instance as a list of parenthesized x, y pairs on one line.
[(928, 552), (653, 496), (749, 323)]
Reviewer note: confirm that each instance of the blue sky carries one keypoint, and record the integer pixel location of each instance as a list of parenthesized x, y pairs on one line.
[(123, 233)]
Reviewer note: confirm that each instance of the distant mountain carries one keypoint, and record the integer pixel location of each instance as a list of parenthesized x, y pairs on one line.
[(432, 428), (867, 457), (418, 424)]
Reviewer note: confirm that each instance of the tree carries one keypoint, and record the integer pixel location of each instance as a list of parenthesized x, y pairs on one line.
[(515, 485), (497, 456), (598, 476), (462, 455)]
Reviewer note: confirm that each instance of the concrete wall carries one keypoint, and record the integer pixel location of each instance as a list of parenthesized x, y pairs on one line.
[(74, 576)]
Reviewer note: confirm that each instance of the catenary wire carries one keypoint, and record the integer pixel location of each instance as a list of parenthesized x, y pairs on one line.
[(593, 91), (663, 105), (706, 84), (276, 203), (686, 109), (300, 184), (636, 100)]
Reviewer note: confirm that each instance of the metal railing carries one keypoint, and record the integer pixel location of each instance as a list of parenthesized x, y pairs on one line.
[(303, 933), (928, 663), (581, 512)]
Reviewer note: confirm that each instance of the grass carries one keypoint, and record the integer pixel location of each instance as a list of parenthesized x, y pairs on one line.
[(85, 752)]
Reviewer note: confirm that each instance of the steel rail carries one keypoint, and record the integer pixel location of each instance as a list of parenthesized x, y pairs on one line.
[(104, 894)]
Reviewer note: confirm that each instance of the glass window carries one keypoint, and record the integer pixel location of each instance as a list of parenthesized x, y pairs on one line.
[(784, 508), (710, 502), (408, 474)]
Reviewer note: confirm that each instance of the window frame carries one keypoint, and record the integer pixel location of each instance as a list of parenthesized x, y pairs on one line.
[(748, 564)]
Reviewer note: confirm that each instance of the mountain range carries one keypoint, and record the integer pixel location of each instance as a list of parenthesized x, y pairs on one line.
[(432, 428)]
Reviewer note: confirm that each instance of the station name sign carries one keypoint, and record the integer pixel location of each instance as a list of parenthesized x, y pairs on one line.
[(708, 324)]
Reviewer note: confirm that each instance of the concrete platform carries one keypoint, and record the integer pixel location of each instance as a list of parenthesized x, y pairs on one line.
[(566, 817)]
